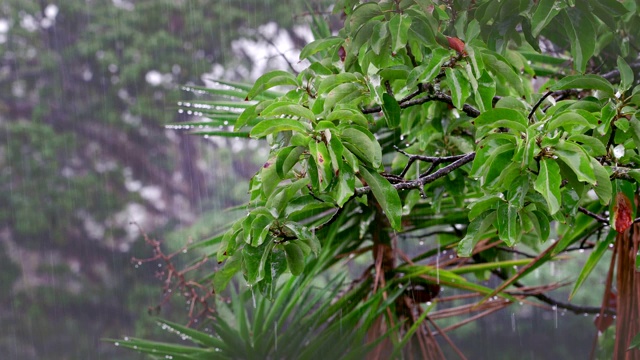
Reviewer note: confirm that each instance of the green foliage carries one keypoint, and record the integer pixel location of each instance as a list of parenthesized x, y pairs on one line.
[(453, 86)]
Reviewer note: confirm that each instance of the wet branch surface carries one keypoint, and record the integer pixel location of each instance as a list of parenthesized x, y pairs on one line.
[(576, 309), (426, 179)]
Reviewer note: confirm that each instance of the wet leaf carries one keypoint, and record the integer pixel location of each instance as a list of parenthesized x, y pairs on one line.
[(592, 261), (271, 79), (476, 229), (391, 110), (548, 184), (295, 258), (589, 81), (386, 195)]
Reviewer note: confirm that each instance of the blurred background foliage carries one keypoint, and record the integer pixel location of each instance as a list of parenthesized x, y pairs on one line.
[(86, 89)]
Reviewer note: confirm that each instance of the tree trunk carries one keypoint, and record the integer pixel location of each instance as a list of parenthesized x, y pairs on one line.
[(628, 284)]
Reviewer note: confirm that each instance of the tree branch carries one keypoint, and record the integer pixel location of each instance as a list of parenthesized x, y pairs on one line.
[(435, 160), (420, 182), (614, 75), (600, 218), (576, 309), (439, 96)]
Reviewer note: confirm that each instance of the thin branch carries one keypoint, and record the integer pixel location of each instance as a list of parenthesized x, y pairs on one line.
[(435, 160), (538, 103), (614, 75), (284, 57), (576, 309), (514, 251), (600, 218), (418, 183), (442, 97)]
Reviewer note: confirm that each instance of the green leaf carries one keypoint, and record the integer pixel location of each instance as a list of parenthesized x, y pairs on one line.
[(592, 261), (270, 126), (459, 87), (626, 75), (222, 277), (345, 185), (575, 157), (271, 79), (473, 30), (363, 144), (570, 120), (548, 184), (305, 236), (362, 14), (475, 231), (399, 28), (635, 342), (288, 108), (269, 178), (283, 195), (593, 146), (486, 92), (480, 206), (603, 187), (287, 158), (502, 69), (578, 26), (391, 110), (507, 223), (319, 45), (386, 195), (438, 58), (295, 258), (490, 117), (379, 36), (260, 229), (336, 149), (347, 93), (345, 115), (589, 81), (247, 115), (543, 14), (323, 161), (252, 262)]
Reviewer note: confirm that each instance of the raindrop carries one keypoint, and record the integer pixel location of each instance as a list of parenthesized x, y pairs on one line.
[(275, 331), (421, 242), (253, 297), (438, 264), (513, 322), (117, 344)]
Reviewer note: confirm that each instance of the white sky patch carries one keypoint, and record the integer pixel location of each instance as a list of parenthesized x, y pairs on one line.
[(4, 26), (265, 55), (51, 11), (154, 78)]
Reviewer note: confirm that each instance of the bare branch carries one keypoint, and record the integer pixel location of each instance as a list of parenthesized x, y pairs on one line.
[(442, 97), (600, 218), (419, 183)]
